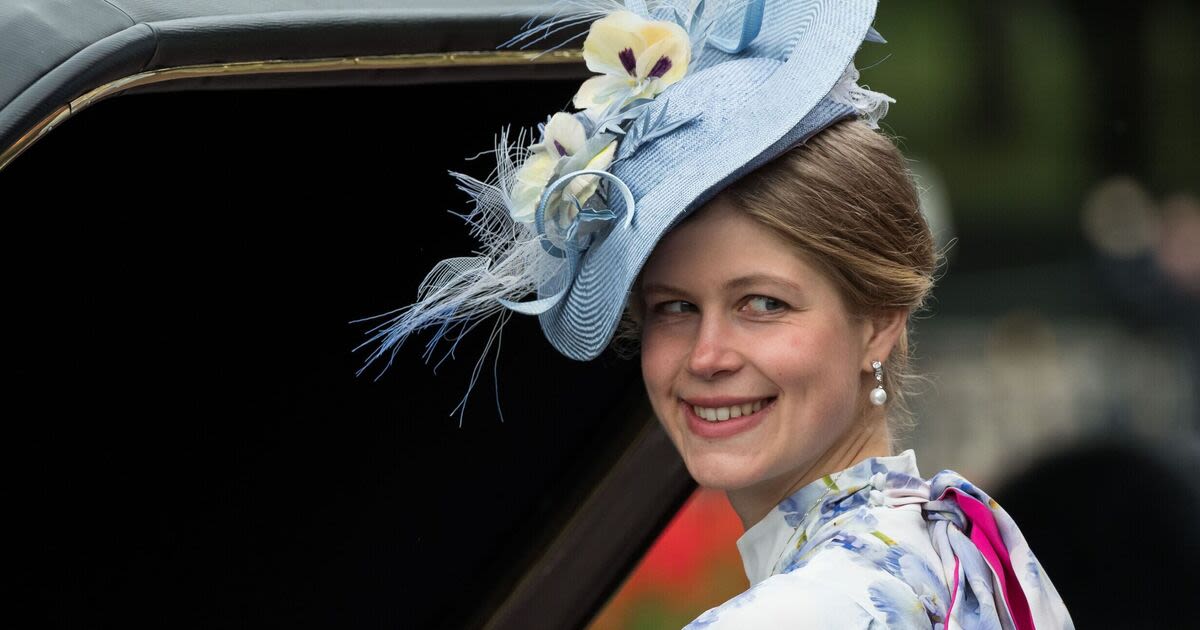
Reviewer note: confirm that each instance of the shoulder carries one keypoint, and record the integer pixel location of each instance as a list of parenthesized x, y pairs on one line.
[(811, 598), (787, 600), (879, 559)]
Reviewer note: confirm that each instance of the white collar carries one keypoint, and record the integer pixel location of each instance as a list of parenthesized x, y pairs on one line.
[(763, 544)]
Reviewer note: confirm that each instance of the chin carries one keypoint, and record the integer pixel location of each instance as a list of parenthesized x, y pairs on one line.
[(725, 476)]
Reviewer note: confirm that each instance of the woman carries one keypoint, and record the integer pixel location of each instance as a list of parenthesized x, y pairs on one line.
[(773, 337), (722, 180), (768, 297)]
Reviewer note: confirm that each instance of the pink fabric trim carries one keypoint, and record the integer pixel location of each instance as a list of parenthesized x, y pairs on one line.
[(986, 536)]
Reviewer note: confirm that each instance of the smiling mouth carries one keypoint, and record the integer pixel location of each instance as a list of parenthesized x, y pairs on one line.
[(720, 414)]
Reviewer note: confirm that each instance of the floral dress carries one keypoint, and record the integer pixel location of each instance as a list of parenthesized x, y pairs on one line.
[(877, 546)]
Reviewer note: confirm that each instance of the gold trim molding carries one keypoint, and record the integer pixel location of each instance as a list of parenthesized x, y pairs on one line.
[(283, 66)]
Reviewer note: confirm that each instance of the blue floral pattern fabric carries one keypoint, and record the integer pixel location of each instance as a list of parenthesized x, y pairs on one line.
[(878, 546)]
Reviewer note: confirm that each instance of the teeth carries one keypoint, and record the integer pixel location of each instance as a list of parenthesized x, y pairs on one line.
[(717, 414)]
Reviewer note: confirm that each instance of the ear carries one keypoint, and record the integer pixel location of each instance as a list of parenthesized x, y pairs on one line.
[(880, 334)]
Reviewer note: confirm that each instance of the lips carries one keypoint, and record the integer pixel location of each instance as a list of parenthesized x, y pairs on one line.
[(722, 413), (698, 412)]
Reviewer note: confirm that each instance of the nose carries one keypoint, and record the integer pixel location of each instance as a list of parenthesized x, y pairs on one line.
[(714, 351)]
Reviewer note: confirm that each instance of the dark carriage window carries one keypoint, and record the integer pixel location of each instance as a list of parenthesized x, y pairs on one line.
[(187, 265)]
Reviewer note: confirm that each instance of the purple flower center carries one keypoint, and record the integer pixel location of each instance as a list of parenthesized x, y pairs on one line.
[(629, 61), (561, 149), (661, 67)]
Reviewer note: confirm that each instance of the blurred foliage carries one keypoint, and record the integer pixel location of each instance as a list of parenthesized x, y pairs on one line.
[(1021, 107)]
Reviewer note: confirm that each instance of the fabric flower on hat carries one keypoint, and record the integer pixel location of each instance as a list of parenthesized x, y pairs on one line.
[(562, 137), (565, 142), (637, 58), (596, 154), (530, 181)]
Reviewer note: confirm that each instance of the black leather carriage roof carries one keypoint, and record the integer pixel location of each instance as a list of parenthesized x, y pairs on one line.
[(52, 51)]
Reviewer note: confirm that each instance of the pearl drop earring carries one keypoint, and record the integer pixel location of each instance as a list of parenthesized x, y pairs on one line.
[(878, 396)]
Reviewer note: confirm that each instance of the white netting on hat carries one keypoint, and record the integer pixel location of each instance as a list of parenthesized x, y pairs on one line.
[(459, 293)]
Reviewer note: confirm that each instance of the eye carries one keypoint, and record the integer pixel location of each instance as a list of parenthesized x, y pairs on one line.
[(764, 304), (674, 307)]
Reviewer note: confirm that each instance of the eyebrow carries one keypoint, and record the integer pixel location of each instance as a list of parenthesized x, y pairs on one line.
[(739, 282)]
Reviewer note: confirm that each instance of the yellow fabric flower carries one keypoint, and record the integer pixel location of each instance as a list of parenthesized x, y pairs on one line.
[(562, 138), (637, 58), (584, 186), (531, 180)]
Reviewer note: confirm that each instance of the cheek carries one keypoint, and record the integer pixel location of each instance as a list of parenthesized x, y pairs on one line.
[(831, 337), (814, 354), (658, 377), (664, 356), (658, 360)]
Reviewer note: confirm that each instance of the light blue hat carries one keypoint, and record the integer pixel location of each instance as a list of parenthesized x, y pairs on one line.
[(691, 97)]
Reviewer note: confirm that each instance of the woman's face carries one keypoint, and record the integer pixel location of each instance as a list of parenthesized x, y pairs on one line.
[(737, 324)]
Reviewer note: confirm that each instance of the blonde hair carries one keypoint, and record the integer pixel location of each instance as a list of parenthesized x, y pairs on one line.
[(847, 203)]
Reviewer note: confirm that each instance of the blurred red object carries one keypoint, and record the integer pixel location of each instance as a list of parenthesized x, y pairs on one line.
[(693, 566)]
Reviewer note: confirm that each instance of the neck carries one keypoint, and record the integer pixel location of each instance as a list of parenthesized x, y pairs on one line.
[(866, 439)]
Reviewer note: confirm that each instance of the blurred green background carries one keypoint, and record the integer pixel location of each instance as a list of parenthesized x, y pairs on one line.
[(1023, 107), (1055, 147)]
